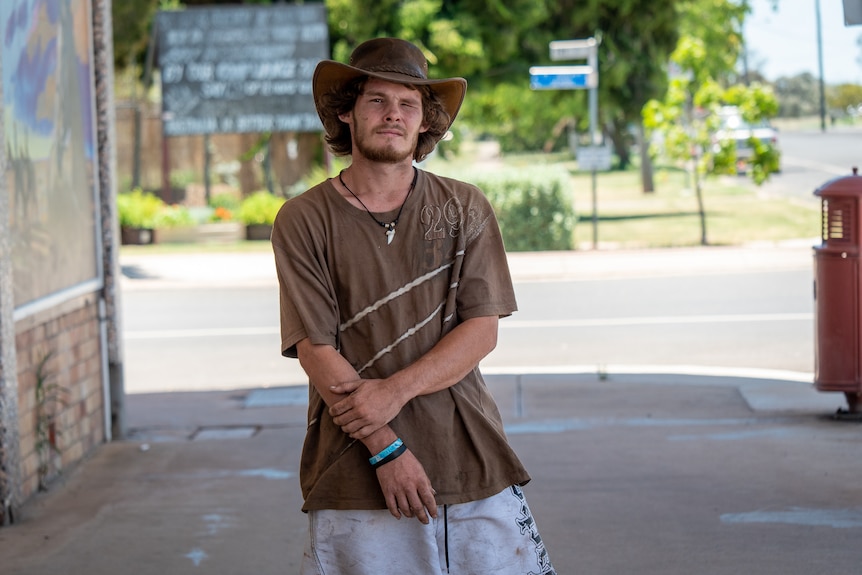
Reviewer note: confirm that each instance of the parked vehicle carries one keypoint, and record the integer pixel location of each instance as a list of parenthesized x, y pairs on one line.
[(736, 132)]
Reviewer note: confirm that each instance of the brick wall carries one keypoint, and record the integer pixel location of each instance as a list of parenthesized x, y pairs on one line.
[(68, 423)]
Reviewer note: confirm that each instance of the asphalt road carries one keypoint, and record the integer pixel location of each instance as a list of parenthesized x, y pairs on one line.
[(178, 338), (811, 158), (740, 320)]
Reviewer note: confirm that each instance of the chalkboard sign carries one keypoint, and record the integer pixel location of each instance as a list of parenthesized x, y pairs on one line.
[(240, 69)]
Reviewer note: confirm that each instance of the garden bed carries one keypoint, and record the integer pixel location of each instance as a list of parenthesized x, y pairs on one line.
[(211, 233)]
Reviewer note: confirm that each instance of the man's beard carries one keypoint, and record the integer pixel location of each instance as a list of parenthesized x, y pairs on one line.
[(387, 154)]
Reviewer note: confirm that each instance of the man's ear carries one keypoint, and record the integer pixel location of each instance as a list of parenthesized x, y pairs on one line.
[(346, 117)]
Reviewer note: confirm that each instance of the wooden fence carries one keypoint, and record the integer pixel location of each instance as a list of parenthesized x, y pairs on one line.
[(291, 156)]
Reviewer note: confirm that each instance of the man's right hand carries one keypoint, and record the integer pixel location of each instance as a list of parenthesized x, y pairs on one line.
[(407, 489)]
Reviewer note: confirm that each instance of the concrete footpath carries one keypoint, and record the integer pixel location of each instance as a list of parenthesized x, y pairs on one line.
[(660, 473)]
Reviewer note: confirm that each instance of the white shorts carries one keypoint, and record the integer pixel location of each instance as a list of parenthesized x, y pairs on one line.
[(493, 536)]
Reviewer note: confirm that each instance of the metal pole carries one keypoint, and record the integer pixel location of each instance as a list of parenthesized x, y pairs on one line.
[(167, 193), (595, 210), (136, 149), (267, 166), (136, 117), (820, 64), (207, 166), (592, 61)]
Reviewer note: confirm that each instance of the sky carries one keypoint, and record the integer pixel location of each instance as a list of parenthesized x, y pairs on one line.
[(784, 42)]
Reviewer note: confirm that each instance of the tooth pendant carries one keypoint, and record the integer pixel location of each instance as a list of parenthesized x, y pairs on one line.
[(390, 234)]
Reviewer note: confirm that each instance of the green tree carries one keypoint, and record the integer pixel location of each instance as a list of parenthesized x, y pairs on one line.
[(468, 38), (132, 20), (844, 97), (719, 25), (519, 119), (798, 95), (687, 120)]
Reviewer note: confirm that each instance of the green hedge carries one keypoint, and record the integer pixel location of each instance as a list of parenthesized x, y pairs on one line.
[(533, 206)]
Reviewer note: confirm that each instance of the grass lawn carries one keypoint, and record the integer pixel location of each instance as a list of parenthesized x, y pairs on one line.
[(736, 212)]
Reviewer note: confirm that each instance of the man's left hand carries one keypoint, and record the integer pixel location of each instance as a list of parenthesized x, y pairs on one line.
[(369, 405)]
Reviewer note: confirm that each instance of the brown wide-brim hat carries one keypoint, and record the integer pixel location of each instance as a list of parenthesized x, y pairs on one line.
[(393, 60)]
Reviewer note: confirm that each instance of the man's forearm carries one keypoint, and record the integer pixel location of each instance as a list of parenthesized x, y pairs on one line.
[(326, 368), (454, 356)]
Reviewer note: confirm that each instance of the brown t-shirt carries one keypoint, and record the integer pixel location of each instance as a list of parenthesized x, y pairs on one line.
[(382, 306)]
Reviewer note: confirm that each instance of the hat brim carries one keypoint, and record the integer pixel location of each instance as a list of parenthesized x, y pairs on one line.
[(330, 74)]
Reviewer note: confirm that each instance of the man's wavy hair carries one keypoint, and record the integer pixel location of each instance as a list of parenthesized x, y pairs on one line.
[(340, 101)]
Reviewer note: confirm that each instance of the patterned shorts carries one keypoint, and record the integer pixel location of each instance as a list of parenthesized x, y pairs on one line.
[(493, 536)]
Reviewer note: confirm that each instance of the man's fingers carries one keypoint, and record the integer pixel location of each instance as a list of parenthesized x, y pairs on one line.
[(417, 504), (341, 407), (392, 505), (404, 506), (346, 422), (353, 424), (355, 428), (345, 387), (429, 503), (419, 511), (407, 490)]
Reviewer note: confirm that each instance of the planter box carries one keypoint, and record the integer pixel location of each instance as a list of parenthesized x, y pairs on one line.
[(215, 233), (136, 236), (258, 232)]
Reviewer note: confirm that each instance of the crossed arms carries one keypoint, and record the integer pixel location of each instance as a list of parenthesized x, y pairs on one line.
[(363, 408)]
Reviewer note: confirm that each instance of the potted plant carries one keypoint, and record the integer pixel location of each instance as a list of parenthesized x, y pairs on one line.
[(257, 211), (138, 213)]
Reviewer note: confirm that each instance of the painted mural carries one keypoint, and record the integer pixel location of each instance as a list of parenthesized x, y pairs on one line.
[(48, 119)]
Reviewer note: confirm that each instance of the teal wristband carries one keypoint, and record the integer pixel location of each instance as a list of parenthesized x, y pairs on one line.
[(391, 457), (386, 452)]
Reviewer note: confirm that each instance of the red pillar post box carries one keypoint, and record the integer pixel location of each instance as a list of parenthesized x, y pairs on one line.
[(837, 285)]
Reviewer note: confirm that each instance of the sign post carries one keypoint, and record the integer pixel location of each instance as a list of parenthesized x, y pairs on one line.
[(852, 12), (577, 78)]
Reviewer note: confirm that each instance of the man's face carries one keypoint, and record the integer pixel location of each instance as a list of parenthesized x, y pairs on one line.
[(386, 121)]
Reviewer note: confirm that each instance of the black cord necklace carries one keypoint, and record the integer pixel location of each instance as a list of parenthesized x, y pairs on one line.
[(390, 227)]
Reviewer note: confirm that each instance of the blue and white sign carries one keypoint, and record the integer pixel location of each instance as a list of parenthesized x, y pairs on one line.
[(562, 78)]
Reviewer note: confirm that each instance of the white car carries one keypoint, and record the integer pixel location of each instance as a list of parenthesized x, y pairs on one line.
[(734, 127)]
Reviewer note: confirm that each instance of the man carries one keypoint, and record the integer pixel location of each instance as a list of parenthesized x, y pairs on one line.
[(392, 282)]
